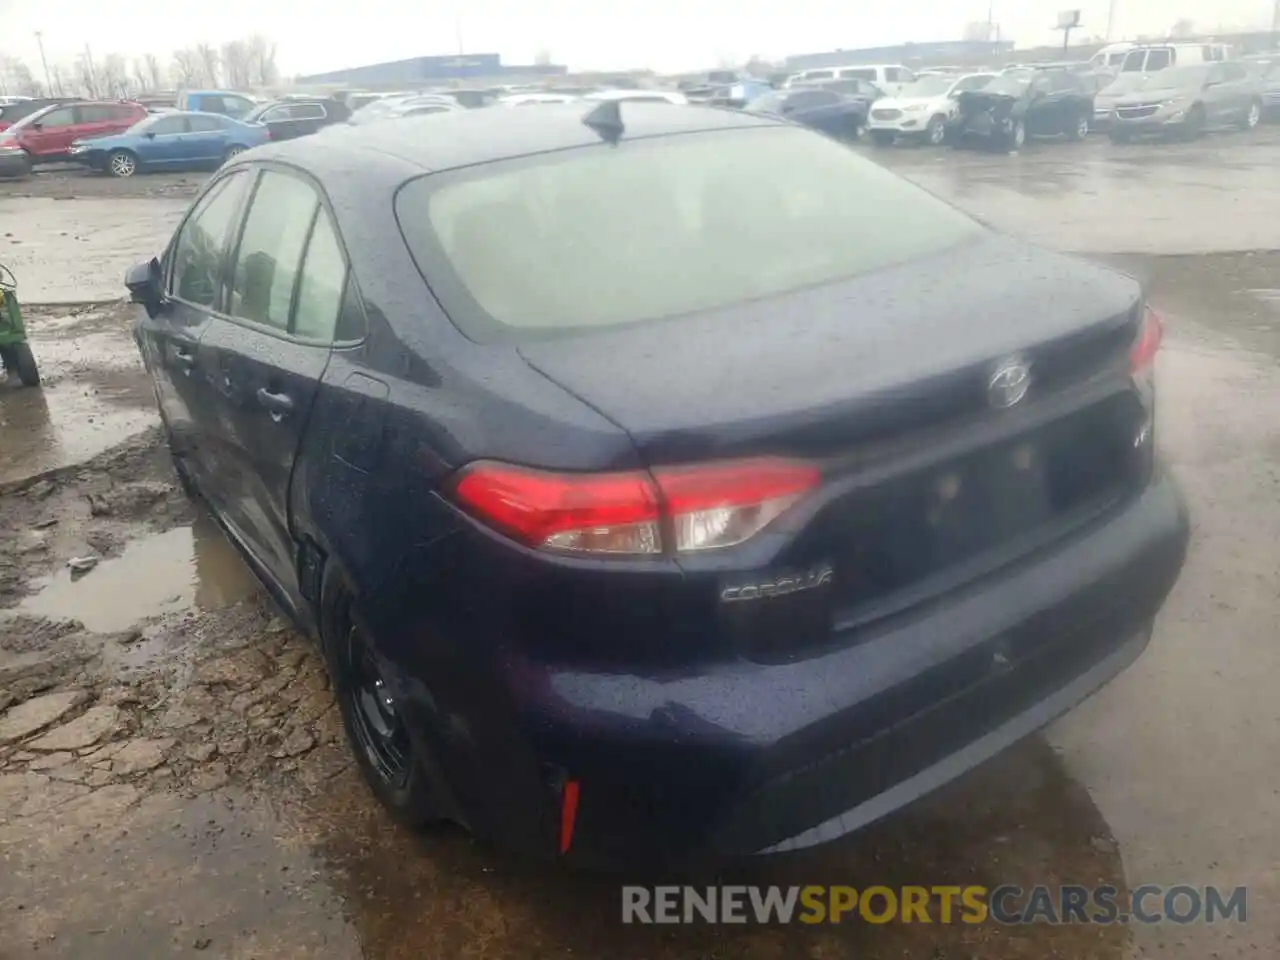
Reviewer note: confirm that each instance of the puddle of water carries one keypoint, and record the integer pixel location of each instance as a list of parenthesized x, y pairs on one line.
[(72, 421), (186, 568)]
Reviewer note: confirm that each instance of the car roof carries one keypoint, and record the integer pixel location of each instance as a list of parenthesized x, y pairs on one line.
[(445, 141)]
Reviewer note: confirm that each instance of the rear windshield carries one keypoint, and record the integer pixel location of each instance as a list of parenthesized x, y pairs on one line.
[(603, 236)]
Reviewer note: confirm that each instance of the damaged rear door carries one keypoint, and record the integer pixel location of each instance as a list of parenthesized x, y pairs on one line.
[(266, 356)]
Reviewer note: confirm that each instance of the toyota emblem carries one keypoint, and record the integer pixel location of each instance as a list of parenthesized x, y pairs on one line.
[(1009, 382)]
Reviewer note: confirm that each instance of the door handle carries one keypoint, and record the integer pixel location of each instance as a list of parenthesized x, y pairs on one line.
[(279, 405), (184, 358)]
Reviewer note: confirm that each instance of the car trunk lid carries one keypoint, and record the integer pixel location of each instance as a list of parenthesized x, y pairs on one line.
[(883, 381), (819, 372)]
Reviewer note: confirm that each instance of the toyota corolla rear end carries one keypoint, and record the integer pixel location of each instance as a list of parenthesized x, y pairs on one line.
[(881, 497)]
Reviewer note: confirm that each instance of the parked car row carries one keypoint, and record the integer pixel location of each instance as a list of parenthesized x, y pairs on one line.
[(124, 137)]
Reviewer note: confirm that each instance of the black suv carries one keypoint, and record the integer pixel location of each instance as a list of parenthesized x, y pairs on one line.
[(1017, 105), (298, 116)]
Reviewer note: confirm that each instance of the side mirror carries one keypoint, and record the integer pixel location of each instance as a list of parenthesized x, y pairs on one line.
[(150, 134), (37, 126), (143, 284)]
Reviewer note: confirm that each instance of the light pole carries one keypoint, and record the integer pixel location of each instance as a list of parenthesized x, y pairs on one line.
[(48, 84), (1111, 17)]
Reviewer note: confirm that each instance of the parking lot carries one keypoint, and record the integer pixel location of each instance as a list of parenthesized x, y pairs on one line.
[(198, 799)]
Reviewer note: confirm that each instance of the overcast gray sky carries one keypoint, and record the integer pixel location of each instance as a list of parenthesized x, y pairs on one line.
[(669, 35)]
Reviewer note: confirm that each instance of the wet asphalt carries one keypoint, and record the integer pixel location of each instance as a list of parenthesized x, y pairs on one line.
[(1171, 774)]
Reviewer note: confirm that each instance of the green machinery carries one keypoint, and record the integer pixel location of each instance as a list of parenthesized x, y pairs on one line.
[(15, 352)]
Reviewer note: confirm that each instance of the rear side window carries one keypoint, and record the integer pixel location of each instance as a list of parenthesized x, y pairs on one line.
[(657, 228), (200, 250), (96, 113), (205, 124), (324, 276), (270, 254), (861, 73), (306, 111)]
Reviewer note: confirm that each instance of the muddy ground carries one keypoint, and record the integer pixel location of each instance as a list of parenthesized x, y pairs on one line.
[(173, 780)]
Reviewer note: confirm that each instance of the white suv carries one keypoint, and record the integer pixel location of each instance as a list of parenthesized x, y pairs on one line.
[(921, 109)]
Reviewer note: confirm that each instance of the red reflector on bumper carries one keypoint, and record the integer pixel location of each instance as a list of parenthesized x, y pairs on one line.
[(568, 813)]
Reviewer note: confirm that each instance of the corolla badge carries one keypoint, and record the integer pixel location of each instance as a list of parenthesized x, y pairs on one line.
[(1009, 382)]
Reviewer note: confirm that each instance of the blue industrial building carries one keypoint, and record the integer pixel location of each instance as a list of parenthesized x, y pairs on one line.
[(418, 70), (957, 51)]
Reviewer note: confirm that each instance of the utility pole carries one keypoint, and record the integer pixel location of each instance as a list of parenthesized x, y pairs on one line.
[(93, 74), (991, 19), (1111, 17), (48, 84)]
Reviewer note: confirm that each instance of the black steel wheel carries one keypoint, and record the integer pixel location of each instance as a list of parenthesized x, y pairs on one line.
[(377, 728), (390, 759)]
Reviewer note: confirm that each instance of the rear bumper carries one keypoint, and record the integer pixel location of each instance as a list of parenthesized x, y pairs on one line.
[(735, 759)]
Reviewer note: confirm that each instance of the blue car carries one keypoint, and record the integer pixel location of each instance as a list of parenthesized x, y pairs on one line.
[(661, 483), (170, 141)]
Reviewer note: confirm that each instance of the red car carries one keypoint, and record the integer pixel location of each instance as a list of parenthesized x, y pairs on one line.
[(47, 134)]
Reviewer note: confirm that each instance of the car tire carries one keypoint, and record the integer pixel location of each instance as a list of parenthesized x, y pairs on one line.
[(1252, 117), (20, 361), (122, 164), (1193, 127), (1016, 139), (1079, 129), (882, 138), (24, 168), (935, 134), (390, 761)]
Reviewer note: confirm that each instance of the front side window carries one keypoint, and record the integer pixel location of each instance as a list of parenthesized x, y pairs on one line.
[(168, 125), (66, 117), (275, 233), (205, 124), (201, 247), (659, 228), (1158, 59)]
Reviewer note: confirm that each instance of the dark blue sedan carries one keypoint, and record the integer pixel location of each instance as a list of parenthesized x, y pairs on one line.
[(170, 141), (661, 482)]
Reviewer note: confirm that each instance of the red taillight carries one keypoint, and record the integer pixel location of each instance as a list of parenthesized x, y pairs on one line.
[(1143, 352), (696, 507)]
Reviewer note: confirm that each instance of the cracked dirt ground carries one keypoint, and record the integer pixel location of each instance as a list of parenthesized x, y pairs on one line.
[(173, 781)]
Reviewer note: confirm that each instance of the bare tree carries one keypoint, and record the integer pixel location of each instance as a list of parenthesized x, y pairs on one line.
[(262, 57), (210, 63), (237, 64), (86, 76), (186, 69), (58, 80), (113, 77), (141, 80), (16, 77), (154, 74)]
